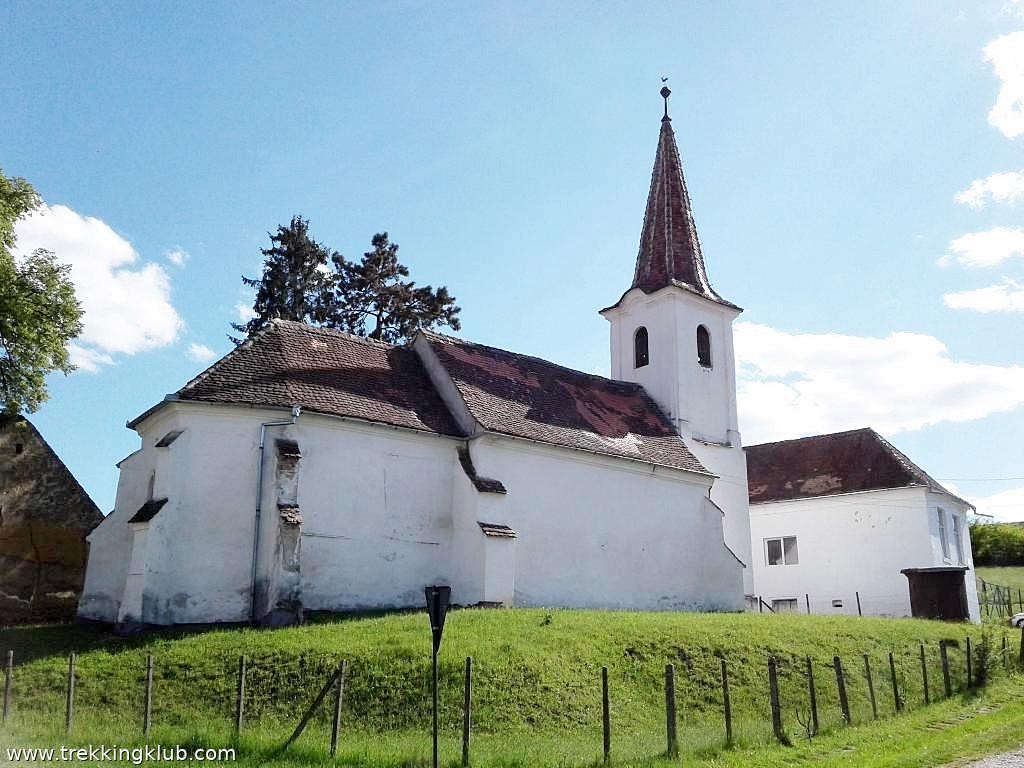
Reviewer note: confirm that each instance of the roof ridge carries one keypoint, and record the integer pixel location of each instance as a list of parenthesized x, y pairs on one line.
[(634, 386), (812, 437), (246, 344), (335, 332)]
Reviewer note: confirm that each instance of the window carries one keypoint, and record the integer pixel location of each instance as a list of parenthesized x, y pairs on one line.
[(786, 605), (837, 603), (941, 514), (958, 539), (703, 346), (781, 551), (18, 448), (641, 356)]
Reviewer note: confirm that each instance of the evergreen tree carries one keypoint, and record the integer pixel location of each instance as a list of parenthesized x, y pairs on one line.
[(374, 291), (39, 313), (296, 282), (366, 298)]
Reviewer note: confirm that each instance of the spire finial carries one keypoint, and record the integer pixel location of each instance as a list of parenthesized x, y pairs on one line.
[(665, 93)]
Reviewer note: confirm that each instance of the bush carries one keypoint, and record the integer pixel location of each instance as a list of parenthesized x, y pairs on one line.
[(996, 544)]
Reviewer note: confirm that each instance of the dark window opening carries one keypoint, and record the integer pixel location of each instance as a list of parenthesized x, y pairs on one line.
[(641, 355), (18, 447), (703, 346)]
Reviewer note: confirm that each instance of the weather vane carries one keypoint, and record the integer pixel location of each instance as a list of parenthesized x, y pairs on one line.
[(665, 93)]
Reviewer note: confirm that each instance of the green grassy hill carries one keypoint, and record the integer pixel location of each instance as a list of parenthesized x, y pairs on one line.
[(536, 674)]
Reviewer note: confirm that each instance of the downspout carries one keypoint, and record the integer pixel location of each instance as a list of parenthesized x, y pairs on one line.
[(296, 410)]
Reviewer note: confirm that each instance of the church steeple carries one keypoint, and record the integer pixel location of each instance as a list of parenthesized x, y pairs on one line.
[(670, 251)]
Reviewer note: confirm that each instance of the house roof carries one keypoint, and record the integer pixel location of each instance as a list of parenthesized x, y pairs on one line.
[(325, 371), (670, 252), (522, 396), (825, 465)]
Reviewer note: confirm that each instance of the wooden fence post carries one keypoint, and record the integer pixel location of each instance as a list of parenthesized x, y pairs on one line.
[(1022, 646), (871, 687), (1006, 658), (9, 674), (984, 597), (314, 706), (924, 676), (606, 720), (897, 701), (467, 710), (807, 599), (670, 712), (812, 696), (69, 711), (945, 669), (147, 717), (339, 696), (859, 613), (726, 702), (240, 696), (970, 675), (844, 703), (773, 691)]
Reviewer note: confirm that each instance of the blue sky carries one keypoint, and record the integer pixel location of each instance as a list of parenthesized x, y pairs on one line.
[(507, 147)]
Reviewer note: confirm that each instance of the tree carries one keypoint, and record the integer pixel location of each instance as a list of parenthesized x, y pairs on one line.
[(367, 298), (296, 282), (39, 313), (374, 290)]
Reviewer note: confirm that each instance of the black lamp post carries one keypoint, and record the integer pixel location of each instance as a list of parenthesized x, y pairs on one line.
[(437, 606)]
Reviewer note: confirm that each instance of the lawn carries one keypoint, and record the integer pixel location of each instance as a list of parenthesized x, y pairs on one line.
[(1008, 576), (536, 685)]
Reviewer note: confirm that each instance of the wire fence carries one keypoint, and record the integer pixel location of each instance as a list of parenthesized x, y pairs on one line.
[(999, 599), (703, 699)]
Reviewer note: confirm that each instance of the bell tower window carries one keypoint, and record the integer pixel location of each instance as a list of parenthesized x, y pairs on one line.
[(641, 355), (703, 346)]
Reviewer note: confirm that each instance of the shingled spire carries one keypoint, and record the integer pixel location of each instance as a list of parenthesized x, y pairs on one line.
[(669, 247)]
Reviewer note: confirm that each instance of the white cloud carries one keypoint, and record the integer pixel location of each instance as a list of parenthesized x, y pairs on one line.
[(1006, 506), (178, 256), (200, 353), (999, 188), (1006, 53), (127, 303), (793, 384), (985, 249), (1014, 8), (245, 313), (1008, 297)]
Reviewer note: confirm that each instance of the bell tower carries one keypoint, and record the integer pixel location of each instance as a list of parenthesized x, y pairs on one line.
[(672, 333)]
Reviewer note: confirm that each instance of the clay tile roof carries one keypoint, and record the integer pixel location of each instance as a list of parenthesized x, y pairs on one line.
[(823, 465), (527, 397), (325, 371), (670, 252)]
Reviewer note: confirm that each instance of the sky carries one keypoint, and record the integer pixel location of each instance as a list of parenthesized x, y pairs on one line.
[(856, 173)]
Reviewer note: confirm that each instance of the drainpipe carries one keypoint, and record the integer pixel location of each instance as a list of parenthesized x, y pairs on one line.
[(296, 410)]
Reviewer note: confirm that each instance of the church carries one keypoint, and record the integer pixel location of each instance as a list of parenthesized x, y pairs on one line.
[(312, 470)]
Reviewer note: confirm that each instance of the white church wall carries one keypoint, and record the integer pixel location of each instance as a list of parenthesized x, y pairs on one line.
[(848, 543), (953, 508), (377, 506), (598, 532)]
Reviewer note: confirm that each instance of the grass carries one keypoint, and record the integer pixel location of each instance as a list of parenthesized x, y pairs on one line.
[(1004, 576), (536, 684)]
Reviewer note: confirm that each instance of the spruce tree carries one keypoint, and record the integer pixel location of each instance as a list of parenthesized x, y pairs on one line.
[(296, 282)]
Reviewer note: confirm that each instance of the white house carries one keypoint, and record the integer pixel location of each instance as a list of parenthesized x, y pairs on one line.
[(836, 519), (313, 470)]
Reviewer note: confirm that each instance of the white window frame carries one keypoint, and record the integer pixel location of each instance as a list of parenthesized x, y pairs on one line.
[(782, 546), (943, 537), (958, 537)]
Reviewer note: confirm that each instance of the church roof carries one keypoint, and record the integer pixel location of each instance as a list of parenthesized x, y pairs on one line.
[(289, 363), (824, 465), (523, 396), (326, 371), (670, 252)]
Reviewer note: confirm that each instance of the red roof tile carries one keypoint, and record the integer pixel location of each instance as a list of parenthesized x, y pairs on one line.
[(527, 397), (325, 371), (823, 465)]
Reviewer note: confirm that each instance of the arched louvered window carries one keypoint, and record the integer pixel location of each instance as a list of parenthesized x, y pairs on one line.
[(703, 346), (641, 355)]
